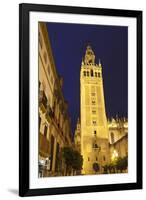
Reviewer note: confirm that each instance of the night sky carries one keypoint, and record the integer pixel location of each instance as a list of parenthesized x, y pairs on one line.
[(110, 45)]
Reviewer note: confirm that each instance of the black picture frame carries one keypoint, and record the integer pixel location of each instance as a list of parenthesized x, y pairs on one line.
[(24, 81)]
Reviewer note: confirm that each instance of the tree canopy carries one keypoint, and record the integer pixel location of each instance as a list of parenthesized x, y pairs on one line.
[(72, 158)]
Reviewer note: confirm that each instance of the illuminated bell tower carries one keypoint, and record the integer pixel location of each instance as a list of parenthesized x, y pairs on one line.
[(94, 129)]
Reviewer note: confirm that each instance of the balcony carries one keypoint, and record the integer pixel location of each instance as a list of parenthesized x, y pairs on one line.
[(49, 114), (42, 101)]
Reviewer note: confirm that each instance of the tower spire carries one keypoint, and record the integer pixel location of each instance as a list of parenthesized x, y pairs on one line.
[(82, 61), (89, 56), (99, 63)]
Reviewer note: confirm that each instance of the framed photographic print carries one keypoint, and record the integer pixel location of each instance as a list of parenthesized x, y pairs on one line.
[(80, 99)]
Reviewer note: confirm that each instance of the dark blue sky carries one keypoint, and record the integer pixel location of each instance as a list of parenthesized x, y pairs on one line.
[(110, 45)]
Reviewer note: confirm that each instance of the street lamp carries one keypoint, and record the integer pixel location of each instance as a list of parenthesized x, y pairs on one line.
[(44, 166), (114, 155), (41, 167), (48, 163)]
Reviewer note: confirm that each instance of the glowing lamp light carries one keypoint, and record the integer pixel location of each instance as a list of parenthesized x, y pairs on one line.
[(114, 155)]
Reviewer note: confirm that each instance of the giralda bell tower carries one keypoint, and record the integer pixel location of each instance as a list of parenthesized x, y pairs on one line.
[(94, 130)]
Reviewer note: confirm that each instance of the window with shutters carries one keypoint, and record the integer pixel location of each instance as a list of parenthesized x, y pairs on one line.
[(112, 137), (45, 131)]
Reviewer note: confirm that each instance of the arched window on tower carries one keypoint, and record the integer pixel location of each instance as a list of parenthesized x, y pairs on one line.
[(112, 138), (91, 72), (84, 73), (95, 74), (87, 73)]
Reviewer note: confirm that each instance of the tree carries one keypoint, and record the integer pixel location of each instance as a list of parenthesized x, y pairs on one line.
[(110, 167), (73, 159), (77, 161), (105, 167), (67, 153), (96, 167), (119, 164), (122, 163)]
